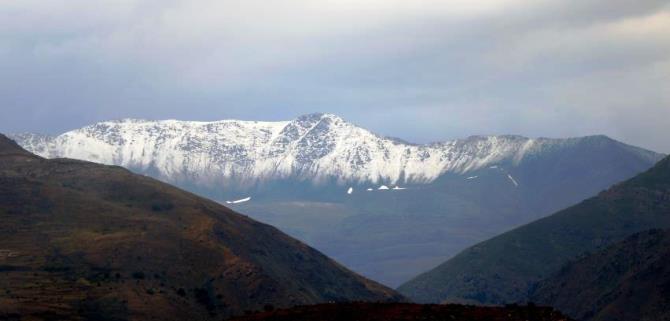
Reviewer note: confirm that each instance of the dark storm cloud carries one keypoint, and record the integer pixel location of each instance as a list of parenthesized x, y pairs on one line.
[(421, 70)]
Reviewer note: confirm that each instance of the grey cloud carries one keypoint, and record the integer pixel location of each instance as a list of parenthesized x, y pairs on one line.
[(423, 71)]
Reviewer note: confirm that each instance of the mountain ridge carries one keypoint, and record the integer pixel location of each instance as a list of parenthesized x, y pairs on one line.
[(313, 147)]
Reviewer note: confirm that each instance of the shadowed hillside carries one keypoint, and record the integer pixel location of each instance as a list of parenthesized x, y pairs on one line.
[(629, 280), (87, 241), (504, 268)]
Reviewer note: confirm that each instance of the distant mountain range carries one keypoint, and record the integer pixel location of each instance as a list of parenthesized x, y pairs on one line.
[(234, 155), (84, 241), (387, 208), (507, 267), (629, 280)]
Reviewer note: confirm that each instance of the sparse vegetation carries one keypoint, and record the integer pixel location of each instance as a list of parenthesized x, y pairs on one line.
[(181, 292), (161, 206), (405, 312)]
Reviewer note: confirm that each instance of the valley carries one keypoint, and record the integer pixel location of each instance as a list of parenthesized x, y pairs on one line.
[(410, 206)]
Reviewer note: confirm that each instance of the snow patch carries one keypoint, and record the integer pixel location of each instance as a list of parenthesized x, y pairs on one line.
[(383, 187), (399, 188), (472, 177), (350, 190), (513, 180), (239, 201)]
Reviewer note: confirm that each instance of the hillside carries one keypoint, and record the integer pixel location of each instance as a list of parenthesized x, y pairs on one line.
[(318, 178), (629, 280), (88, 241), (406, 312), (504, 268)]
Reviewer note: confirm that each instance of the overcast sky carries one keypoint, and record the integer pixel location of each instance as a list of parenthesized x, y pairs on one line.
[(421, 70)]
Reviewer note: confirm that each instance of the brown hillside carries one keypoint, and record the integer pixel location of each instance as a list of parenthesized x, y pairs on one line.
[(87, 241)]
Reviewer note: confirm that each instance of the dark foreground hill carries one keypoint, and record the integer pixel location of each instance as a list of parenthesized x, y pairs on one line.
[(629, 280), (406, 312), (87, 241), (503, 269)]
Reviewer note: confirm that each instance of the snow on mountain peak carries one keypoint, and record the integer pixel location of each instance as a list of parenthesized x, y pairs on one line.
[(313, 147)]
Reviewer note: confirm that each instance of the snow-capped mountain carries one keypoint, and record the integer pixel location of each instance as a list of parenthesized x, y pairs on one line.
[(384, 207), (315, 147)]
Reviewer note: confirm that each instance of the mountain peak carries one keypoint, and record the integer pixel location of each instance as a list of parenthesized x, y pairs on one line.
[(315, 117)]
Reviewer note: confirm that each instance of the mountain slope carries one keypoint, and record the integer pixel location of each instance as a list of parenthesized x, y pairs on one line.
[(297, 175), (629, 280), (503, 268), (87, 241)]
